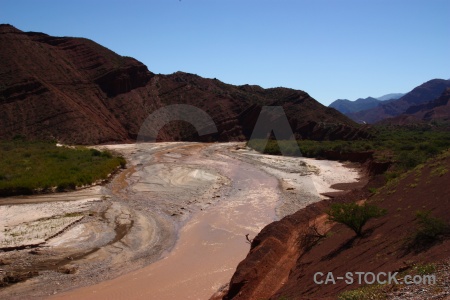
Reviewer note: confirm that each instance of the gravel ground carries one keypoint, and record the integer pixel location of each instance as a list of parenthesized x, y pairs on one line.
[(440, 290)]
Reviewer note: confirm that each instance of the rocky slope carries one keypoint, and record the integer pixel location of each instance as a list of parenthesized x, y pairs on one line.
[(422, 94), (286, 254), (76, 91)]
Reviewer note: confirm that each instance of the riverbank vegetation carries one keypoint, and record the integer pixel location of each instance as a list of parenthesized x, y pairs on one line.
[(36, 167), (404, 147)]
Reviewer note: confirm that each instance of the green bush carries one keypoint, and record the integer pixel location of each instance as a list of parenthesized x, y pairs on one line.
[(95, 152), (429, 228), (107, 154), (354, 216), (122, 162), (408, 160)]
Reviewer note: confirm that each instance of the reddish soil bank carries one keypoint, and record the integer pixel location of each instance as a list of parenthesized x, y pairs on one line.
[(284, 258)]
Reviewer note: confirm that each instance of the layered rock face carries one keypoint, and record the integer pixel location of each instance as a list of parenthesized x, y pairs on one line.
[(76, 91)]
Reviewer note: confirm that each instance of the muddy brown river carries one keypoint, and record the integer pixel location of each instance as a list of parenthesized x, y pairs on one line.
[(210, 245)]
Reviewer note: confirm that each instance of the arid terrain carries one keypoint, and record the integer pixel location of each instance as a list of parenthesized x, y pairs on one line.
[(202, 214), (191, 204), (78, 92)]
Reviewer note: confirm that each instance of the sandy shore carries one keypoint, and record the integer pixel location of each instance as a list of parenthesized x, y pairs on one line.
[(209, 196)]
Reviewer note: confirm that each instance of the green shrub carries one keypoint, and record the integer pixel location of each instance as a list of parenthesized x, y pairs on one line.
[(354, 216), (373, 190), (122, 162), (429, 228), (95, 152), (408, 160)]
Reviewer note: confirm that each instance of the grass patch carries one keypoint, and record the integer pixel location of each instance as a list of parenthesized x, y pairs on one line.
[(439, 171), (425, 269), (30, 167), (369, 292), (383, 291)]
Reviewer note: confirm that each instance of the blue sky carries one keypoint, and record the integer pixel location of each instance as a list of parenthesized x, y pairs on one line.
[(330, 49)]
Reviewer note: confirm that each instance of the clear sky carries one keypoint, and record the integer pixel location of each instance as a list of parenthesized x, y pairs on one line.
[(330, 49)]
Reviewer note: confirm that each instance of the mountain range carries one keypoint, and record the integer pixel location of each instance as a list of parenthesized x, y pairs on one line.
[(76, 91), (435, 110), (371, 110), (346, 106)]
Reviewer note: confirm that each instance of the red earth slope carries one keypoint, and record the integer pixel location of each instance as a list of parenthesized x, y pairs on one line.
[(278, 265)]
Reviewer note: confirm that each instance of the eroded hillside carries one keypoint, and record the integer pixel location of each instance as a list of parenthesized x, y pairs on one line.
[(77, 91)]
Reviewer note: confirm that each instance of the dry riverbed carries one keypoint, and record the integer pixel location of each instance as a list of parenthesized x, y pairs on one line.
[(189, 203)]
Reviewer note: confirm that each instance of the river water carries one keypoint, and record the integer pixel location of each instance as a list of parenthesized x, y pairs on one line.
[(210, 244)]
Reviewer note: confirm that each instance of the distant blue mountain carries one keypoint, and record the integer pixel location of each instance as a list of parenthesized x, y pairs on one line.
[(346, 106)]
